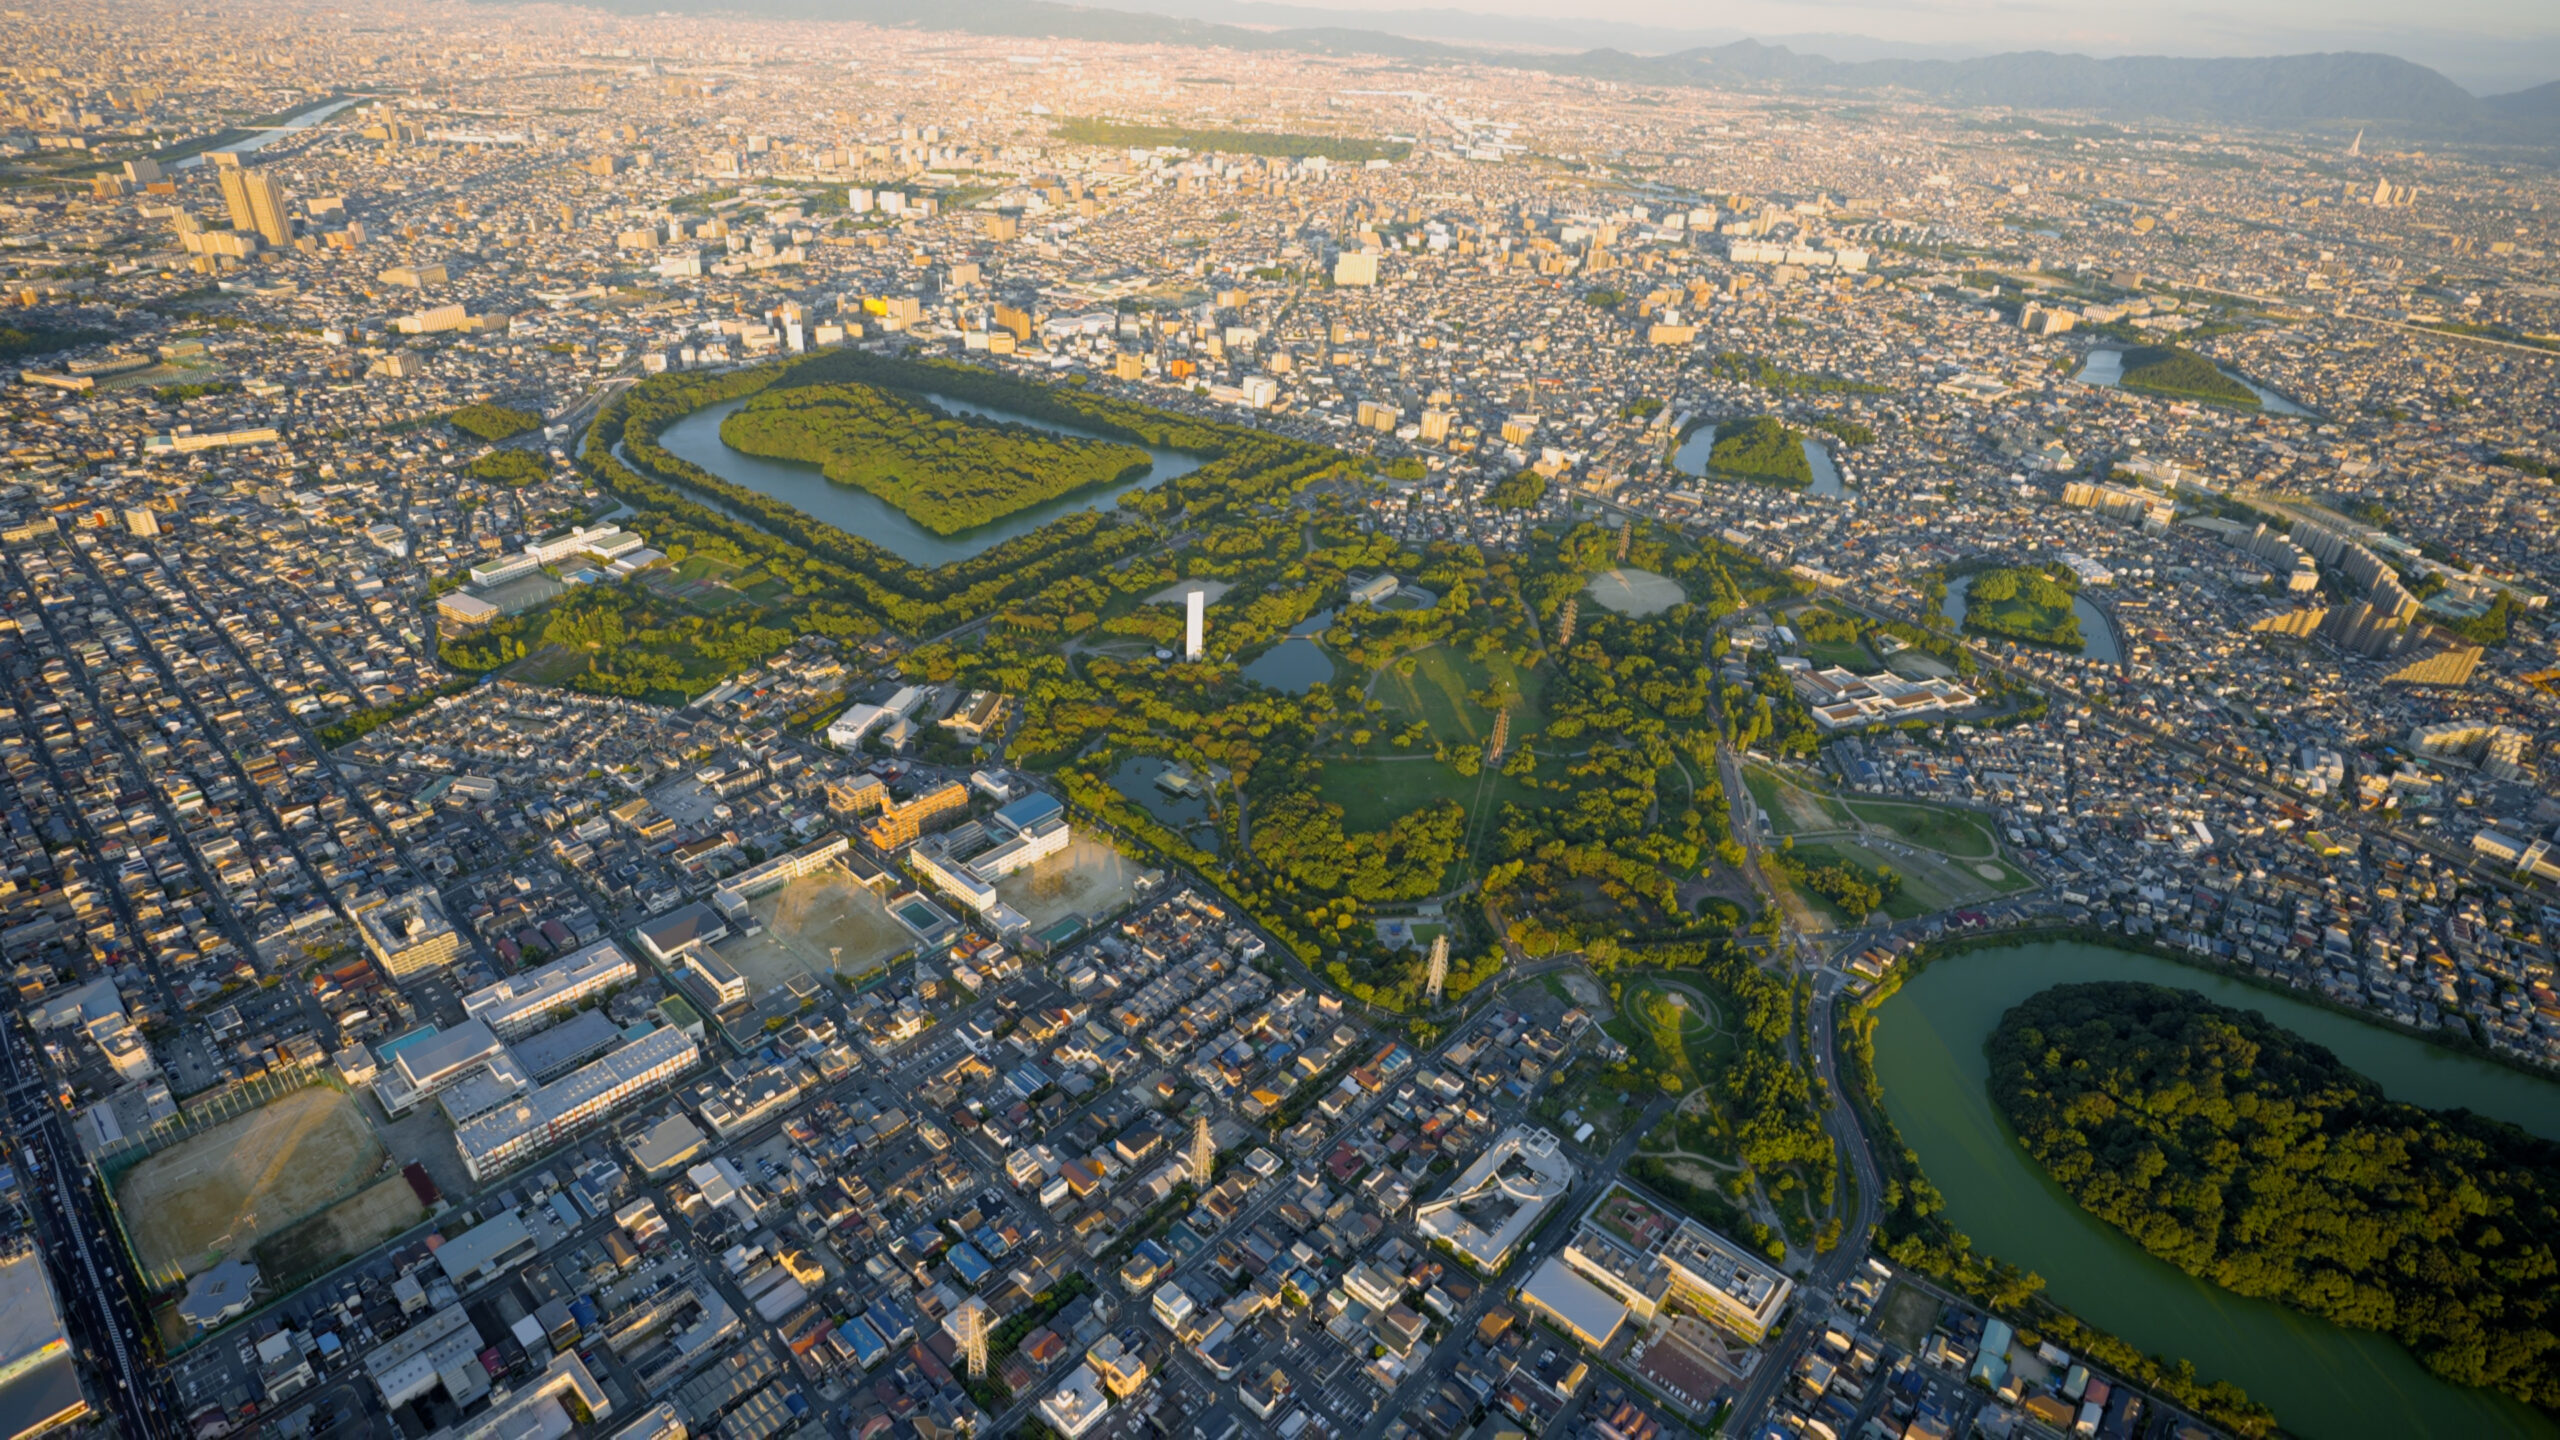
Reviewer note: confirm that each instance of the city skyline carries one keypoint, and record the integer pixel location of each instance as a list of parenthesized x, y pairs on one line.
[(1080, 725)]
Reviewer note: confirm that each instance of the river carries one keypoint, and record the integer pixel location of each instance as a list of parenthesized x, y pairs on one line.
[(857, 511), (2097, 632), (1691, 459), (2106, 367), (2322, 1381), (265, 138)]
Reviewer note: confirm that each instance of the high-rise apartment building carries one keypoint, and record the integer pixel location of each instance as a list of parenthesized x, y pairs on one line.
[(256, 202)]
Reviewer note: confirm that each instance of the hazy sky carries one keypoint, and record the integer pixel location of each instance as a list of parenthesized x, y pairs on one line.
[(2486, 44)]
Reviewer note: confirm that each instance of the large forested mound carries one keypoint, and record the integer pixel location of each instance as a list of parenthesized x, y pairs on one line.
[(948, 472), (2250, 1157)]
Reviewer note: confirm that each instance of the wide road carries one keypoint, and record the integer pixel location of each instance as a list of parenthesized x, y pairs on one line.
[(92, 1279)]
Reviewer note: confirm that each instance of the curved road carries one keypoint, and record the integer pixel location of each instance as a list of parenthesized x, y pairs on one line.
[(1813, 1299)]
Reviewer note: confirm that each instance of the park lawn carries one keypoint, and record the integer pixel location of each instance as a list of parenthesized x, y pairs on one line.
[(1121, 603), (704, 585), (1436, 695), (1793, 809), (1850, 656), (771, 591), (702, 567), (549, 665), (1662, 1036), (712, 599), (2011, 881), (1931, 827), (2023, 617), (1376, 793), (1918, 896), (1930, 882)]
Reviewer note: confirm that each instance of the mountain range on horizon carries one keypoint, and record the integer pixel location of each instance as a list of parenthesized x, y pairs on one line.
[(2386, 91), (2484, 66)]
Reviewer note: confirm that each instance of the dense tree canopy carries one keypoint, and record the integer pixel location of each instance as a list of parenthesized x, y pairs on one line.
[(1761, 448), (493, 423), (2031, 603), (2250, 1157), (1301, 837), (1520, 492), (1247, 468), (516, 468), (948, 472), (2168, 370)]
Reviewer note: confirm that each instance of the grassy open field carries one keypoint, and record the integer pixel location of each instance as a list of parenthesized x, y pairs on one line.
[(1375, 794), (1669, 1031), (706, 585), (224, 1190), (1930, 881), (1948, 857), (1436, 695), (1907, 1316), (1945, 829), (1794, 809), (1849, 655)]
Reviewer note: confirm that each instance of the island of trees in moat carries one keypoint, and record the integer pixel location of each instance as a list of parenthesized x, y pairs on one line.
[(2247, 1156)]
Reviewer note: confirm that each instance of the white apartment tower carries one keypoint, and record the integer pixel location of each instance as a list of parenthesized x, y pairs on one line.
[(1196, 620)]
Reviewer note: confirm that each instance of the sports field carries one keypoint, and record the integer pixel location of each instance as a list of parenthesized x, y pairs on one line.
[(222, 1191), (339, 1233), (821, 922)]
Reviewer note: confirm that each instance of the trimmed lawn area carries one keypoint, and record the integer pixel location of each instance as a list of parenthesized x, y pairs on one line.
[(1917, 896), (1849, 656), (1793, 809), (1666, 1031), (1930, 882), (709, 586), (1949, 831), (1376, 793), (1436, 695), (702, 567)]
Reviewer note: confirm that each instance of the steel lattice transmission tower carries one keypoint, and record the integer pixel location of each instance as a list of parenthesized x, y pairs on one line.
[(1204, 1152), (1437, 978), (972, 1320)]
